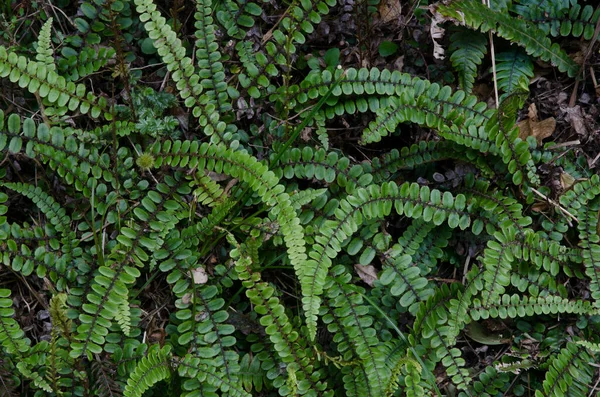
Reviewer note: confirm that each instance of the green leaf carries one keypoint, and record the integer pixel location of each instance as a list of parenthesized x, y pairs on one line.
[(332, 57), (387, 48)]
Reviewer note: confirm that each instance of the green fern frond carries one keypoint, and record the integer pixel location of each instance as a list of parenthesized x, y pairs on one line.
[(289, 344), (208, 55), (12, 336), (188, 82), (489, 383), (45, 53), (411, 200), (346, 304), (512, 306), (151, 369), (590, 244), (521, 32), (560, 18), (467, 51), (60, 221), (39, 78), (513, 68), (569, 373)]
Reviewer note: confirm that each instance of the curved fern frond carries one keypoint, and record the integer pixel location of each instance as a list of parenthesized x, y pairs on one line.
[(151, 369), (327, 167), (411, 200), (289, 344), (188, 82), (561, 18), (61, 223), (241, 165)]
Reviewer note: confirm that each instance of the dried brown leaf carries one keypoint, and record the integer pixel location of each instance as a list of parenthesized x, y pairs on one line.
[(566, 181), (390, 10), (540, 130), (367, 273), (577, 120)]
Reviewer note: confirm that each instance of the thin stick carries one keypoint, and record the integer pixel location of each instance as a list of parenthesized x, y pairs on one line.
[(554, 203), (565, 144), (493, 54)]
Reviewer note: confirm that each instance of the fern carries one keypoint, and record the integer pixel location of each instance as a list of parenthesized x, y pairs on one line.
[(151, 369), (467, 53), (39, 78), (311, 230), (44, 50), (12, 336), (513, 68), (568, 374), (528, 36), (561, 19)]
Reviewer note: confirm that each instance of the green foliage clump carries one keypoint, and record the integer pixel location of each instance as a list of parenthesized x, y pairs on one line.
[(196, 227)]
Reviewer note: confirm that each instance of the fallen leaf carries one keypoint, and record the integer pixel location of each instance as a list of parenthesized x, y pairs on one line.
[(217, 177), (437, 33), (566, 180), (577, 121), (367, 273), (199, 275), (532, 112), (390, 10), (540, 130)]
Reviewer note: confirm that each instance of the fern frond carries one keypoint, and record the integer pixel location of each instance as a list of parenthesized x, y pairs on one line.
[(151, 369), (105, 382), (467, 50), (350, 312), (75, 65), (410, 157), (45, 52), (12, 336), (187, 81), (201, 379), (237, 19), (411, 200), (39, 78), (110, 291), (519, 31), (59, 220), (241, 165), (561, 18), (208, 55), (513, 68), (514, 152), (327, 167), (489, 383), (569, 370), (512, 306), (431, 330), (289, 344), (590, 244)]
